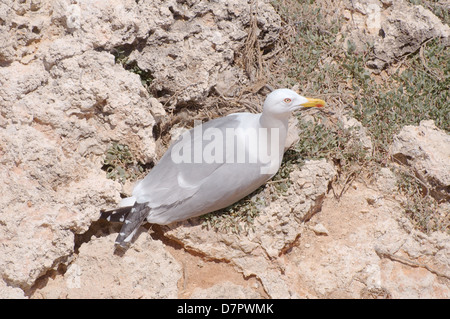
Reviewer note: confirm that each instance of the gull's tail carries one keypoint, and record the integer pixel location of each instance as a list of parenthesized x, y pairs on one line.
[(117, 215), (131, 216)]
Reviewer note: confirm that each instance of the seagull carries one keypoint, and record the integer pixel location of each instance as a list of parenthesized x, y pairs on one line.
[(211, 166)]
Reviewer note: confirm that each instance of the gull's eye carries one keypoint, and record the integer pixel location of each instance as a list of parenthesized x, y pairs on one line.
[(287, 100)]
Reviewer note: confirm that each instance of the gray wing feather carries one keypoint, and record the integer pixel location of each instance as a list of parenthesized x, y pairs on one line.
[(157, 188)]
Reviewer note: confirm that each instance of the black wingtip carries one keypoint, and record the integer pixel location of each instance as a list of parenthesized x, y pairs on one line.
[(117, 215), (131, 224)]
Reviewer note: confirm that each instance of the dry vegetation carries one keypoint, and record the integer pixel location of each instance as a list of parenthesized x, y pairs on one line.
[(414, 89)]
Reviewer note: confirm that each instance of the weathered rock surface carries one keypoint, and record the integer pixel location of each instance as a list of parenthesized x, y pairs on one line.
[(146, 270), (192, 46), (62, 104), (427, 150), (371, 251), (358, 133), (56, 125), (275, 230), (8, 292), (225, 290), (395, 28)]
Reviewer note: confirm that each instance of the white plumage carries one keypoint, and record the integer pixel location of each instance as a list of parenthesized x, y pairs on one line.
[(177, 189)]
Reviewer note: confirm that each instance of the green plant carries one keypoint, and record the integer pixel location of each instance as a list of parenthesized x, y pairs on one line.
[(238, 217), (121, 56), (419, 92), (415, 89), (120, 164), (421, 207)]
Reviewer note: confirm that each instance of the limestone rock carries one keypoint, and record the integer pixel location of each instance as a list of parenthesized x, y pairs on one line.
[(386, 181), (42, 203), (395, 28), (144, 271), (52, 155), (8, 292), (192, 45), (275, 229), (60, 111), (23, 25), (225, 290), (319, 229), (189, 47), (427, 150), (348, 263)]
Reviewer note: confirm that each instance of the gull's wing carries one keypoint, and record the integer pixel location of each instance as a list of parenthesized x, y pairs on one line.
[(169, 182), (175, 190)]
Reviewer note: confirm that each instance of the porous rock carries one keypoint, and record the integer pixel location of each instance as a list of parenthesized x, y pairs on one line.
[(426, 149), (146, 270), (225, 290), (275, 229), (61, 109), (192, 46), (377, 254), (395, 28)]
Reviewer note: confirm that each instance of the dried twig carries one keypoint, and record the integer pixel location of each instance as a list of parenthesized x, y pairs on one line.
[(424, 62), (347, 183), (406, 171), (406, 56), (252, 55)]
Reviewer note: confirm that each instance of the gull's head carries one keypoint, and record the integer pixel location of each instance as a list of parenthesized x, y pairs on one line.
[(283, 102)]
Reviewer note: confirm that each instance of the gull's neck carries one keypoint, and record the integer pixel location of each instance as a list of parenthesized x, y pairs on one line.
[(270, 121)]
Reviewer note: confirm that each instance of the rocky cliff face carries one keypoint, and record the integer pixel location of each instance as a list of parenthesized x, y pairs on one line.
[(64, 99)]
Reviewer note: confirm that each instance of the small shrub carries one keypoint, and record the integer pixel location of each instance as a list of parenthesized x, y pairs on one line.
[(120, 164)]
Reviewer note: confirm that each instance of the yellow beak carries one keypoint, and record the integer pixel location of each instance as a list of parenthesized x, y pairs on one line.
[(314, 103)]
